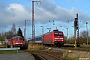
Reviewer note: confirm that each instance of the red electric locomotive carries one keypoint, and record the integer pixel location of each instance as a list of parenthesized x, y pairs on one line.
[(55, 38), (16, 41)]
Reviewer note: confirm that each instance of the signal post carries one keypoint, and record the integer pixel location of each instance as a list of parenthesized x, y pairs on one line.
[(76, 25)]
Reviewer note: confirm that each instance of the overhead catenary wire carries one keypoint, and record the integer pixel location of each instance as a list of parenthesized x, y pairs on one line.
[(39, 5), (68, 16)]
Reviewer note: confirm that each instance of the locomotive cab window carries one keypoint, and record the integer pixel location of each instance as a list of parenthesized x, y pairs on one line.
[(20, 38), (58, 34), (16, 38)]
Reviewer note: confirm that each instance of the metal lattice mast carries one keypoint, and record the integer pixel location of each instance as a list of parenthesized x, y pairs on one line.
[(13, 29), (87, 31), (33, 24), (25, 30), (77, 27)]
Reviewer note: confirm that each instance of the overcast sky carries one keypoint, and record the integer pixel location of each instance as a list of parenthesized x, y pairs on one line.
[(62, 12)]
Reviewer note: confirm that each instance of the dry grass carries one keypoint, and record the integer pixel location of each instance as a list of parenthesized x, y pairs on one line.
[(77, 55), (2, 46), (32, 46), (85, 45)]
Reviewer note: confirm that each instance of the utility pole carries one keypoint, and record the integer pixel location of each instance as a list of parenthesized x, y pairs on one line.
[(87, 32), (49, 29), (25, 30), (67, 33), (42, 30), (13, 29), (53, 22), (33, 25)]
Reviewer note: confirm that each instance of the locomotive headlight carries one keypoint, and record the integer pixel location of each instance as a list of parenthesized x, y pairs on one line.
[(17, 43), (61, 38), (56, 38)]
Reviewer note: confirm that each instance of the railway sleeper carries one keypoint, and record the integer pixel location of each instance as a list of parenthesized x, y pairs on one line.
[(39, 57)]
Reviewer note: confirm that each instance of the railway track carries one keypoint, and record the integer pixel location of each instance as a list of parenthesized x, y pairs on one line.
[(57, 53), (78, 49), (47, 55)]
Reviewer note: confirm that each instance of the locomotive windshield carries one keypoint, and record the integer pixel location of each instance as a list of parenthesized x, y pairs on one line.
[(20, 38), (58, 34), (17, 38)]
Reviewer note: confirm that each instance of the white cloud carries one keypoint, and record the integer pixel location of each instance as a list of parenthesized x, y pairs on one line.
[(17, 12), (50, 10), (13, 13)]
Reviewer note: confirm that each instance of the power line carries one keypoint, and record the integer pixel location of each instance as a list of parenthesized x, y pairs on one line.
[(40, 5)]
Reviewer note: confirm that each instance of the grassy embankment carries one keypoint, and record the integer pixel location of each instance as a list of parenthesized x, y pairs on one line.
[(78, 55), (9, 51), (32, 46)]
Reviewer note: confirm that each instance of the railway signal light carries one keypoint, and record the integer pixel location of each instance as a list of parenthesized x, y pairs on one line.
[(76, 23)]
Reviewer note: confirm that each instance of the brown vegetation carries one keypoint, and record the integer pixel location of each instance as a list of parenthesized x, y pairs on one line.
[(77, 55), (33, 46)]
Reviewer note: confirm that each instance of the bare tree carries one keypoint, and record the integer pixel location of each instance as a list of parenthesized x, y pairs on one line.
[(83, 37), (13, 29), (83, 34)]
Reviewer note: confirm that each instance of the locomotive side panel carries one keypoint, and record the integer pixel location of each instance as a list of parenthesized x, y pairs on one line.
[(54, 38), (47, 38)]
